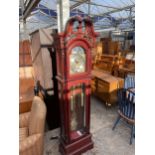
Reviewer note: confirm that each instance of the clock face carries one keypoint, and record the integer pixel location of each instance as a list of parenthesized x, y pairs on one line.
[(77, 60)]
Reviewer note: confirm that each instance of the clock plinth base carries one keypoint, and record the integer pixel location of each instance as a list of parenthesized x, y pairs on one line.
[(78, 147)]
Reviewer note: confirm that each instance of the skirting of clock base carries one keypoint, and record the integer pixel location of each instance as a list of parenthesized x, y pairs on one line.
[(77, 147)]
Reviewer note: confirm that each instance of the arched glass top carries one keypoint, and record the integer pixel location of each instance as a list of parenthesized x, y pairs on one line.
[(77, 60)]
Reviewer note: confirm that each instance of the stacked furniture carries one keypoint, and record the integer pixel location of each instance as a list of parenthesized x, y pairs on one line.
[(128, 67), (109, 63), (105, 63), (105, 86), (109, 46)]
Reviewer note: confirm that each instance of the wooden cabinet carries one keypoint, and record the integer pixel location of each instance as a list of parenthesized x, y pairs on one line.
[(41, 42), (25, 53), (127, 68), (105, 86), (44, 64), (109, 46)]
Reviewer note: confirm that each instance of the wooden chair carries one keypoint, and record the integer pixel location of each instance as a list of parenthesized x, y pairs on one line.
[(126, 110)]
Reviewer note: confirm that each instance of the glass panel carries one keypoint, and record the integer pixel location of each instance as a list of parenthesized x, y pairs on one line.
[(77, 111), (59, 64), (77, 60), (83, 26), (75, 26)]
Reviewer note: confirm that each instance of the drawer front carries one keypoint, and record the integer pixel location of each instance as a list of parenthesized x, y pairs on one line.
[(102, 86)]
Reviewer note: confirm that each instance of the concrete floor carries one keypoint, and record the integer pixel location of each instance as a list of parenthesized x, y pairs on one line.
[(106, 141)]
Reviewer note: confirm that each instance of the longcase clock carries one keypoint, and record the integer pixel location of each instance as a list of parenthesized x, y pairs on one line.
[(73, 53)]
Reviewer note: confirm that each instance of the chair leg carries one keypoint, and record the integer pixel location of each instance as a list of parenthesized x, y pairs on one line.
[(132, 134), (116, 122)]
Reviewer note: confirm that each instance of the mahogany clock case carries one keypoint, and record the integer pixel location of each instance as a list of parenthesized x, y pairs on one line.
[(73, 56)]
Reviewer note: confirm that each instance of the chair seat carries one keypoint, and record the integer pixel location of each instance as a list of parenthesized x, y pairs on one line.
[(131, 121), (23, 133)]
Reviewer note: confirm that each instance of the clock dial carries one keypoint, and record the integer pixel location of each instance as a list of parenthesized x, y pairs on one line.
[(77, 60)]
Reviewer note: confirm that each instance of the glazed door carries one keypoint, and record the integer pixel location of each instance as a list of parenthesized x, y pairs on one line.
[(77, 108)]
